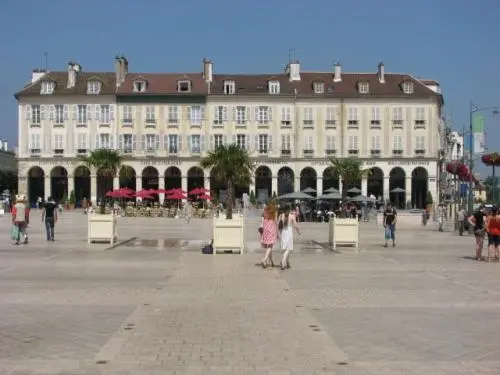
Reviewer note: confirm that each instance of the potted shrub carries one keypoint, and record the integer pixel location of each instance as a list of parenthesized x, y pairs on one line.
[(231, 165), (72, 200), (429, 202), (253, 200)]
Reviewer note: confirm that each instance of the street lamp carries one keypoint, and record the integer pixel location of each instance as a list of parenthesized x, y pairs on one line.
[(473, 109)]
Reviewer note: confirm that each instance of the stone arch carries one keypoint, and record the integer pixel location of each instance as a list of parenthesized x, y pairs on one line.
[(308, 178), (419, 187), (286, 181), (127, 177), (375, 182), (82, 183), (150, 178), (36, 184), (330, 179), (263, 183), (195, 178), (59, 184), (173, 178), (397, 180)]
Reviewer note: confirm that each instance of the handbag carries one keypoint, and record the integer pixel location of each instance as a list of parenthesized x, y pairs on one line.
[(280, 225), (14, 232), (261, 230)]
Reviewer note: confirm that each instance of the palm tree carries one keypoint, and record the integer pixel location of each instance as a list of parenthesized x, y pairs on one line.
[(349, 169), (232, 166)]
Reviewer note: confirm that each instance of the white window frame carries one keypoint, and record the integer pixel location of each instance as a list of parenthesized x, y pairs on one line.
[(363, 87), (105, 114), (195, 141), (229, 87), (241, 141), (218, 140), (376, 143), (105, 141), (36, 114), (308, 145), (408, 87), (330, 116), (173, 144), (352, 116), (308, 113), (353, 143), (150, 115), (127, 117), (375, 116), (93, 87), (420, 142), (420, 117), (397, 116), (82, 114), (173, 114), (331, 145), (262, 143), (286, 116), (286, 142), (274, 87), (81, 142), (47, 88), (220, 115), (150, 142), (196, 115), (35, 145), (184, 86), (58, 142), (263, 114), (319, 87), (241, 115), (397, 144), (128, 143), (140, 86), (59, 114)]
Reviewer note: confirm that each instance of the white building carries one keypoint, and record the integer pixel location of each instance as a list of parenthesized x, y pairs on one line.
[(457, 149), (291, 122)]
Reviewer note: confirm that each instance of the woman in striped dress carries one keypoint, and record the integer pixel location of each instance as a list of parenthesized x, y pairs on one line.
[(269, 234)]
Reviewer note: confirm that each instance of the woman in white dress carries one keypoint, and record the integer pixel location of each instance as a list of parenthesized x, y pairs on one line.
[(286, 223)]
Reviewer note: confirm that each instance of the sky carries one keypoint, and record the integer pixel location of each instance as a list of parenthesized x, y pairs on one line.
[(456, 42)]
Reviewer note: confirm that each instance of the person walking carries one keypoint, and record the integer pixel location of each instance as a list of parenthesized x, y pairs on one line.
[(188, 212), (477, 220), (286, 224), (390, 219), (269, 234), (49, 216), (21, 218), (492, 227)]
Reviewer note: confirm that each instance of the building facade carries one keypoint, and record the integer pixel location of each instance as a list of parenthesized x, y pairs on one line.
[(290, 122)]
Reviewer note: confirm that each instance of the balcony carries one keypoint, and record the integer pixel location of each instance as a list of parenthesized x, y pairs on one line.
[(173, 122), (397, 124), (127, 123), (307, 123), (150, 151), (81, 151), (263, 124), (127, 150), (286, 152), (330, 152), (59, 152), (218, 123), (35, 124), (375, 153), (375, 124), (263, 151), (397, 152), (353, 152), (330, 124), (58, 124), (81, 123), (419, 124), (286, 123), (173, 151), (241, 124), (308, 153), (150, 123), (419, 152), (195, 150), (35, 152), (352, 124)]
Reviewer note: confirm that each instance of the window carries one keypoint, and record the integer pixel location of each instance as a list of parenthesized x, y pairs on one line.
[(263, 143), (286, 145), (127, 115), (184, 86), (375, 117), (81, 143), (397, 145), (196, 114), (151, 142), (353, 117), (220, 115), (59, 114), (229, 87), (397, 116), (274, 87), (286, 116), (35, 143), (420, 117), (330, 145), (263, 114), (218, 140), (139, 86), (150, 116), (173, 143), (105, 115), (241, 115), (82, 114), (58, 144), (353, 145), (195, 144), (308, 117), (363, 87), (173, 114), (127, 143), (375, 150), (308, 145), (241, 141), (47, 88), (330, 117), (408, 87), (36, 114), (93, 87), (104, 141), (419, 144), (319, 87)]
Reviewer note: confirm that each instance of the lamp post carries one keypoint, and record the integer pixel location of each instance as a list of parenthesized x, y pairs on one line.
[(473, 109)]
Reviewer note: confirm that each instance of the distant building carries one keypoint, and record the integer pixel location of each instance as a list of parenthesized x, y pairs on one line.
[(8, 168)]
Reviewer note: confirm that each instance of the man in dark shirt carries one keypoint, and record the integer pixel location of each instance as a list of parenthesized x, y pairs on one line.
[(49, 215), (390, 218)]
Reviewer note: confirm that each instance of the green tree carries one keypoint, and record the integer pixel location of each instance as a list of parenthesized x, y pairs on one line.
[(252, 198), (429, 199), (350, 171), (492, 184), (231, 165), (72, 198)]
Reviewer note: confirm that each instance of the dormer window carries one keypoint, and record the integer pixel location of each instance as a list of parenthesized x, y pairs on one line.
[(229, 87), (408, 87), (140, 86), (319, 87), (184, 86), (364, 87), (47, 88), (93, 87), (274, 87)]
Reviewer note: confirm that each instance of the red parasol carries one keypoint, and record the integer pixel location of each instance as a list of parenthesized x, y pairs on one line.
[(161, 191), (195, 191), (143, 193), (177, 195), (117, 194), (126, 190), (205, 197)]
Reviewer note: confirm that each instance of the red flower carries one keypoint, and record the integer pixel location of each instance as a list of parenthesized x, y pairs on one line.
[(492, 160)]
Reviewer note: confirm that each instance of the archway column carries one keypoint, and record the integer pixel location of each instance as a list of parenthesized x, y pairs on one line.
[(161, 186), (93, 188), (71, 184), (116, 183), (364, 186), (408, 190), (47, 186), (319, 186), (274, 185), (207, 184), (252, 186), (340, 185), (296, 182), (138, 182), (387, 189), (184, 183)]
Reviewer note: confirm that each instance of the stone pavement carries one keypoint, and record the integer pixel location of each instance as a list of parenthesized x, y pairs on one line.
[(155, 305)]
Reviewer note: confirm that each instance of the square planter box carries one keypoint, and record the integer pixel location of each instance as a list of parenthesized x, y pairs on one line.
[(102, 228), (343, 232), (228, 235)]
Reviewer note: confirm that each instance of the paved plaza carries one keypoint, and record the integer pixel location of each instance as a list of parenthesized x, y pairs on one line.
[(156, 305)]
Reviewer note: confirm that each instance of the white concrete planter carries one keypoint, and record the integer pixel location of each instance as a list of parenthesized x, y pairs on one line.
[(229, 235), (102, 228), (344, 232)]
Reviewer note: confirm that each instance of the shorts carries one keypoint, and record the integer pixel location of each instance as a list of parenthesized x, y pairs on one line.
[(494, 239)]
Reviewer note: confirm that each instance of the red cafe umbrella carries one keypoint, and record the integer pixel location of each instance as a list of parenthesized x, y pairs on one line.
[(176, 196), (126, 190), (195, 191), (142, 193), (205, 197), (161, 191)]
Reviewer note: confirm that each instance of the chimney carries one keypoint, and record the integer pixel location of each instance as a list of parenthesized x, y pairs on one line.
[(381, 72), (37, 74), (293, 70), (72, 74), (118, 70), (124, 68), (208, 69), (337, 72), (6, 146)]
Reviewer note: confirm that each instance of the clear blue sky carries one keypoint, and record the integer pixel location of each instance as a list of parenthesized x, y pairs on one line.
[(456, 42)]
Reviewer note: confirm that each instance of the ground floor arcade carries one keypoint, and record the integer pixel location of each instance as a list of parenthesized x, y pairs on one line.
[(403, 182)]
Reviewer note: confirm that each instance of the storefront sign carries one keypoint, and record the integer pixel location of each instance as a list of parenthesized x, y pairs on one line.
[(320, 162), (150, 163), (408, 162), (276, 161)]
